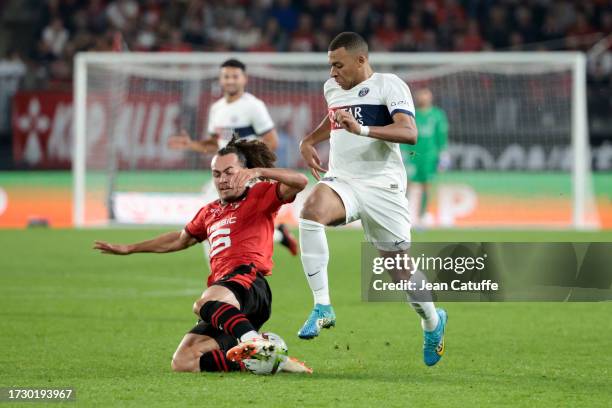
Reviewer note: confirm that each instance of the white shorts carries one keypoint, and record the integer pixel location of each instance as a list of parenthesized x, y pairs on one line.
[(383, 211)]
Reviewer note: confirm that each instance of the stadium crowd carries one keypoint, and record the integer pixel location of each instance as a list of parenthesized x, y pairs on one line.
[(68, 26)]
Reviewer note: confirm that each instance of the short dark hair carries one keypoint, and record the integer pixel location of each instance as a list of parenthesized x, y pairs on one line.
[(234, 63), (349, 40)]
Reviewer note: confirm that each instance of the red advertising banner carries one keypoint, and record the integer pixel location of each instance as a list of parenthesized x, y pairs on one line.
[(42, 129), (140, 124)]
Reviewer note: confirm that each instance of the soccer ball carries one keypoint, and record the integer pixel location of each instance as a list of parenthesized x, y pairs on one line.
[(262, 365)]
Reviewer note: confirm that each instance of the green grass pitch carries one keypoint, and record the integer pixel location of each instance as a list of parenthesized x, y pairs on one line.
[(108, 327)]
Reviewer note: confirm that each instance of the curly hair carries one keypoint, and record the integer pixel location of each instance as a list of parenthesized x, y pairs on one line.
[(251, 153)]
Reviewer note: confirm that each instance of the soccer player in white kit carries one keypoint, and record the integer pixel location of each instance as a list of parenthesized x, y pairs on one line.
[(369, 114), (236, 113)]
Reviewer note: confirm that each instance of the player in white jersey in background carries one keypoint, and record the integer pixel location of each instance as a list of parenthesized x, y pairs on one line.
[(241, 113), (368, 115)]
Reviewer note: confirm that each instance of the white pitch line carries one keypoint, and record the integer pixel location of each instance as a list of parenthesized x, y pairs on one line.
[(100, 293)]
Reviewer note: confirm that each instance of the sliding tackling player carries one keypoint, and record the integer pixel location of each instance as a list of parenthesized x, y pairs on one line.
[(239, 227)]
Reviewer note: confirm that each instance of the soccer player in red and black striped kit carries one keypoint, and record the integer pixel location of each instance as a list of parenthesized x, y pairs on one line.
[(239, 227)]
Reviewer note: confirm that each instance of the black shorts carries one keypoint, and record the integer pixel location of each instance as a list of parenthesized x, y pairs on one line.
[(255, 302)]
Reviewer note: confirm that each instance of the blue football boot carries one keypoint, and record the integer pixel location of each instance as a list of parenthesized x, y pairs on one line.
[(321, 317)]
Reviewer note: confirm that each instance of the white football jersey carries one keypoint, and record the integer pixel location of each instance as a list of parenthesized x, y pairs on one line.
[(248, 116), (372, 103)]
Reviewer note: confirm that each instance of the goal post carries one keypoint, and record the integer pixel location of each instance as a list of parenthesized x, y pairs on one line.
[(79, 140), (518, 120), (581, 168)]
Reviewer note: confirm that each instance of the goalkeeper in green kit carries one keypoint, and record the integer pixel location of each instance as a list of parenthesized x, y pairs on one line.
[(429, 155)]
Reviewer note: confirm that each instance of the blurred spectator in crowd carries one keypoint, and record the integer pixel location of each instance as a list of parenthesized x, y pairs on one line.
[(552, 29), (303, 38), (273, 38), (361, 19), (325, 32), (175, 43), (524, 25), (220, 34), (70, 26), (54, 39), (247, 35), (146, 39), (387, 34), (285, 14), (95, 15), (470, 40), (193, 22), (122, 13), (497, 32)]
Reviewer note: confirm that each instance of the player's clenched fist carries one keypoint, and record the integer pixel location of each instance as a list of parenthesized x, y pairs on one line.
[(113, 249), (242, 177), (347, 121)]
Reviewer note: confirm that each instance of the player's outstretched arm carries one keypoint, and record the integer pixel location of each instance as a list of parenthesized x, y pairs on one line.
[(168, 242), (291, 182), (206, 146), (402, 130), (309, 151), (183, 141), (270, 139)]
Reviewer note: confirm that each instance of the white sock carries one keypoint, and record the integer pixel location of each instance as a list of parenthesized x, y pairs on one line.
[(278, 236), (429, 316), (427, 310), (250, 336), (315, 256)]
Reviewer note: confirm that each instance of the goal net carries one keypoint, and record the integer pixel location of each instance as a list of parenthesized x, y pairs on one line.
[(517, 132)]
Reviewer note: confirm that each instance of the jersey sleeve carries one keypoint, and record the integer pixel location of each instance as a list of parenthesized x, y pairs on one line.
[(397, 96), (268, 197), (327, 87), (197, 226), (210, 128), (261, 119)]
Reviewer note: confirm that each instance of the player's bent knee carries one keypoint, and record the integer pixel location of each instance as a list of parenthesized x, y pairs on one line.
[(177, 361), (182, 360), (313, 212), (177, 367), (182, 366), (197, 305)]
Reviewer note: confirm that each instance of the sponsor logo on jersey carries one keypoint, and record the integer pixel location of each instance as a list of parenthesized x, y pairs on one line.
[(365, 115), (222, 223)]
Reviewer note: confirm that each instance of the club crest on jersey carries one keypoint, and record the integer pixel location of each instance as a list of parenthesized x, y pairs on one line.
[(364, 91), (215, 211)]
